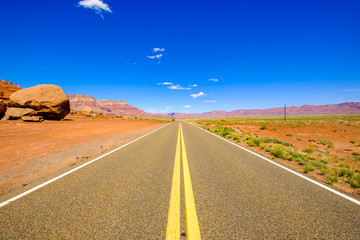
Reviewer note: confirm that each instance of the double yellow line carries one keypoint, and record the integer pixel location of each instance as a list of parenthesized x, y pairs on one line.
[(173, 224)]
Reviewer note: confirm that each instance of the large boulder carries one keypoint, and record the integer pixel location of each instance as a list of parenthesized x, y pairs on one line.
[(13, 113), (48, 101), (2, 109), (86, 111)]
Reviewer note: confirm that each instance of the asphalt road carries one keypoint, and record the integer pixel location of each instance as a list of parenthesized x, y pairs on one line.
[(126, 195)]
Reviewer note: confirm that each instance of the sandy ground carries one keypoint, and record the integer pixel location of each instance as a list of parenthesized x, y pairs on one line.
[(30, 151)]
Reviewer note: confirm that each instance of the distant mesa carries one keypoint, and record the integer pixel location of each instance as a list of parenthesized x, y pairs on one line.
[(112, 107)]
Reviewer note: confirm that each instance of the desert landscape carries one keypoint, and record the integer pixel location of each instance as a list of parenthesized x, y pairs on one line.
[(326, 147)]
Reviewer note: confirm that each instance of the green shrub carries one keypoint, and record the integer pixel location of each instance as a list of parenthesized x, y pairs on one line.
[(327, 143), (308, 169), (254, 142), (299, 139), (263, 127), (236, 138), (312, 140), (225, 133), (352, 141), (331, 179), (289, 135), (355, 181), (308, 149), (278, 151), (317, 164), (355, 154)]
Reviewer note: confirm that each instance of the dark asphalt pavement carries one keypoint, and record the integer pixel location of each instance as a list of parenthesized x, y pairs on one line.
[(126, 195)]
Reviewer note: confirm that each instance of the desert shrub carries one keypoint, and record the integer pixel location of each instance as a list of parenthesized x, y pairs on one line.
[(327, 143), (289, 135), (236, 138), (278, 151), (347, 150), (312, 140), (308, 169), (317, 164), (254, 142), (331, 179), (297, 156), (354, 181), (263, 127), (324, 171), (355, 154), (299, 139), (308, 149), (325, 160), (352, 141), (225, 133)]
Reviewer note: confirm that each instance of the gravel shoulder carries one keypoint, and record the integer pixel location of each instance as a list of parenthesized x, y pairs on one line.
[(32, 151)]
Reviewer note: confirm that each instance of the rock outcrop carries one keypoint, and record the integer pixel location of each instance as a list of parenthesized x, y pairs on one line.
[(78, 102), (14, 113), (6, 89), (2, 109), (48, 101), (86, 111)]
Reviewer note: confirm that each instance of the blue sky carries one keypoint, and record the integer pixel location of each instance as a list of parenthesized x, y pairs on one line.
[(239, 54)]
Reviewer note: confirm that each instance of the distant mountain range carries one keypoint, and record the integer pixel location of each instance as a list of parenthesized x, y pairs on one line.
[(77, 102), (342, 108)]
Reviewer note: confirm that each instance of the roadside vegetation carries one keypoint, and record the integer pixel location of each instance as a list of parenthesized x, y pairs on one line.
[(314, 144)]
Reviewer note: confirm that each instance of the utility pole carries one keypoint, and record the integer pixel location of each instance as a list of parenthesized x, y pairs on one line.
[(285, 112)]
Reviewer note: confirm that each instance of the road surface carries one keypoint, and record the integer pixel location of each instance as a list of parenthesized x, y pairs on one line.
[(137, 192)]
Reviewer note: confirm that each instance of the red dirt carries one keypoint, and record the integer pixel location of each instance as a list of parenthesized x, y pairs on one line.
[(30, 151)]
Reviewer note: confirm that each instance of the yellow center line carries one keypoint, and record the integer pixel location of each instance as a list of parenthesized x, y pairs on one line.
[(173, 224), (192, 224)]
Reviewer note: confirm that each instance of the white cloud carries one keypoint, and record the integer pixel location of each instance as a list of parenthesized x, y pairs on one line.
[(178, 87), (193, 85), (168, 107), (198, 95), (97, 5), (187, 106), (158, 49), (158, 56), (213, 79), (210, 101), (164, 83)]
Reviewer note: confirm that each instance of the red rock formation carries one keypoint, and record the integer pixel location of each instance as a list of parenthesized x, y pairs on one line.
[(77, 102), (7, 88)]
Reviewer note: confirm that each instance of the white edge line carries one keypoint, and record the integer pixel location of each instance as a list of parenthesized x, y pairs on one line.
[(287, 169), (73, 170)]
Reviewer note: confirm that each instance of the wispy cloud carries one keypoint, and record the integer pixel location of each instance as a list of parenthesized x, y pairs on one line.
[(193, 85), (97, 5), (213, 79), (210, 101), (157, 56), (158, 49), (187, 106), (164, 83), (178, 87), (198, 95)]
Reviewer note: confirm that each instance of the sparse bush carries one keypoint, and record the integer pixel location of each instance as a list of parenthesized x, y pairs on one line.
[(254, 142), (327, 143), (308, 169), (278, 151), (263, 127), (352, 141), (312, 140), (289, 135), (299, 139), (308, 149), (355, 154), (318, 164), (354, 181), (347, 150), (236, 138), (331, 179)]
